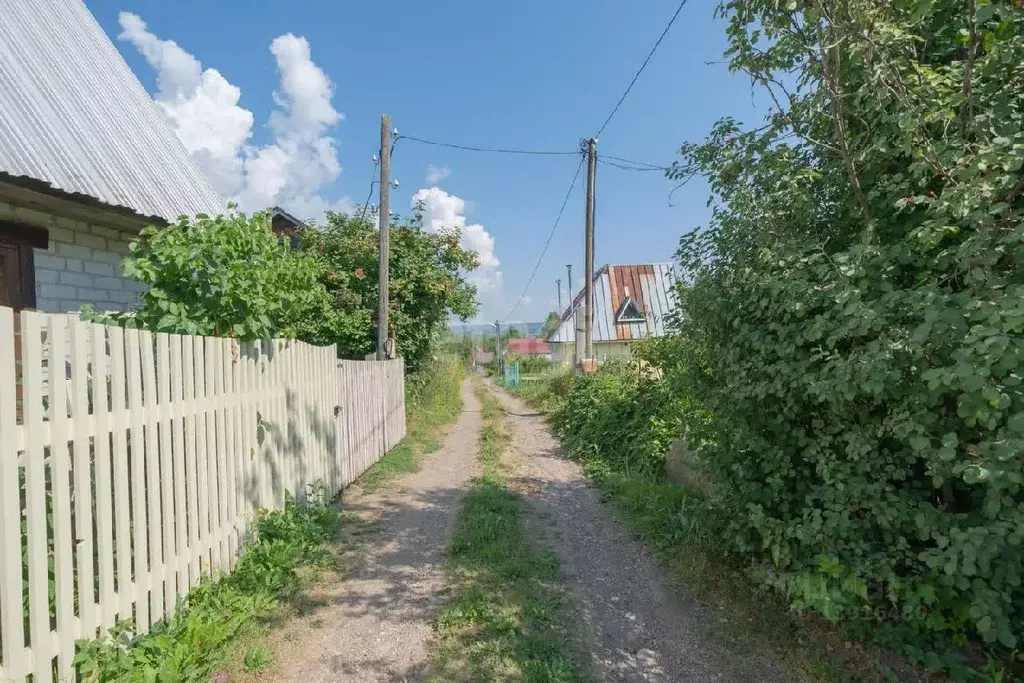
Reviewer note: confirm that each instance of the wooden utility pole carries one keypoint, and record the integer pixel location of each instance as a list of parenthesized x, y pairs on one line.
[(559, 283), (588, 300), (497, 347), (568, 268), (383, 331)]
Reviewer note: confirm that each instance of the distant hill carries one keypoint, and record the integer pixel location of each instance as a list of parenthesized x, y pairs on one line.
[(479, 329)]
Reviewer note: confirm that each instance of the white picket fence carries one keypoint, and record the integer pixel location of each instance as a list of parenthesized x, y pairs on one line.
[(135, 467)]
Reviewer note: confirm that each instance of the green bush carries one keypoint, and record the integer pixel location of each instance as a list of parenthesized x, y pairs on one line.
[(854, 316), (529, 364), (225, 276), (546, 391), (622, 417), (196, 641)]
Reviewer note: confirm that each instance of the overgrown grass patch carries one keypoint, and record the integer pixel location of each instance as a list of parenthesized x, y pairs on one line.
[(216, 615), (503, 618), (687, 532), (432, 402), (743, 618), (545, 391)]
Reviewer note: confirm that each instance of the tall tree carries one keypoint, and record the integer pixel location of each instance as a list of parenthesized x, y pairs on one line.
[(853, 324), (550, 323), (428, 283)]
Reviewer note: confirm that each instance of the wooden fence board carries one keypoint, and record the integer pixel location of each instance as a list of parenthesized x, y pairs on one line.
[(12, 630), (154, 452)]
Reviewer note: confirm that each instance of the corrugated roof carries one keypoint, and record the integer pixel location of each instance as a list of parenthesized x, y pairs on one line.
[(650, 286), (72, 114)]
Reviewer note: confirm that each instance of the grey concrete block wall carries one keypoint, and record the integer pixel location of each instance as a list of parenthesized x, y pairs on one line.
[(82, 264)]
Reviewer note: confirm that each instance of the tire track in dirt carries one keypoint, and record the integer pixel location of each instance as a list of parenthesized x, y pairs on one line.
[(374, 624), (635, 625)]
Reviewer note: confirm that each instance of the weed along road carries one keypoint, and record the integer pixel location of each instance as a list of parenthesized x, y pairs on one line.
[(497, 561)]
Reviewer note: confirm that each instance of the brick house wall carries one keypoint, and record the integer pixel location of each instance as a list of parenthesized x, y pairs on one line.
[(81, 264)]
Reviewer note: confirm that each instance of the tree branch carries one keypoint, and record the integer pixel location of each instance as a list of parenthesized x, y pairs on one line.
[(967, 113), (832, 86)]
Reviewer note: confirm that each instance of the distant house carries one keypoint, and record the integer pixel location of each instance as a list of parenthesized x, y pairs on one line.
[(630, 303), (86, 160), (286, 226), (528, 347)]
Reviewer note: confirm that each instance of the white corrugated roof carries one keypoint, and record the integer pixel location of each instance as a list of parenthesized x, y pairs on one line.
[(74, 115), (650, 286)]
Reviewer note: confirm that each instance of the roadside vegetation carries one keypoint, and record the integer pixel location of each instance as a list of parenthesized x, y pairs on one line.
[(231, 276), (845, 369), (287, 546), (432, 402), (502, 621)]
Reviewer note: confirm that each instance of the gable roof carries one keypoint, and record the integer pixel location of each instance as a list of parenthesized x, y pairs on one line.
[(75, 117), (646, 289)]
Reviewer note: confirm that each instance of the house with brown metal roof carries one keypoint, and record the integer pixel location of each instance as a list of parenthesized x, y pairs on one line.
[(86, 160), (631, 302)]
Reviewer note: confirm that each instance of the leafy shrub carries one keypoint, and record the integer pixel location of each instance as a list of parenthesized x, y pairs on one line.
[(622, 417), (435, 391), (195, 642), (546, 391), (258, 659), (427, 284), (528, 363), (854, 323), (224, 276)]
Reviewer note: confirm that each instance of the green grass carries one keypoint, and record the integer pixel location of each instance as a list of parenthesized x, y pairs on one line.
[(674, 521), (504, 620), (258, 659), (544, 391), (432, 403), (218, 615)]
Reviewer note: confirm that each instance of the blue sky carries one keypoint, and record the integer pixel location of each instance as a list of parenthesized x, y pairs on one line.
[(533, 74)]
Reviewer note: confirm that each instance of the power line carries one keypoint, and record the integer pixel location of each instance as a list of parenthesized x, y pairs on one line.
[(631, 167), (633, 162), (373, 181), (551, 234), (496, 150), (641, 69)]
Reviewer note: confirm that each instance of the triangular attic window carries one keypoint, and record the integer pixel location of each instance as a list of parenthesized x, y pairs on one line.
[(629, 312)]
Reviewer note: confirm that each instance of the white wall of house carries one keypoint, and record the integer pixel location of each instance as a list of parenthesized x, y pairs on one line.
[(81, 264), (566, 352)]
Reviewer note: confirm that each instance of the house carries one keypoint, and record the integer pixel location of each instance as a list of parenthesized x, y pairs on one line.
[(86, 160), (528, 347), (630, 303), (286, 227)]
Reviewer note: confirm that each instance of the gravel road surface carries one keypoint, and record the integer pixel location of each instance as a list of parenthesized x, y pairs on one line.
[(638, 627), (375, 625)]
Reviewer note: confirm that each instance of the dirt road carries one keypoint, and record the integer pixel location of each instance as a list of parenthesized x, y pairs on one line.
[(639, 629), (376, 624)]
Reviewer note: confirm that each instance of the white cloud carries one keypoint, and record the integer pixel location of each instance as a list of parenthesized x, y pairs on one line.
[(525, 300), (443, 210), (203, 108), (436, 174)]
